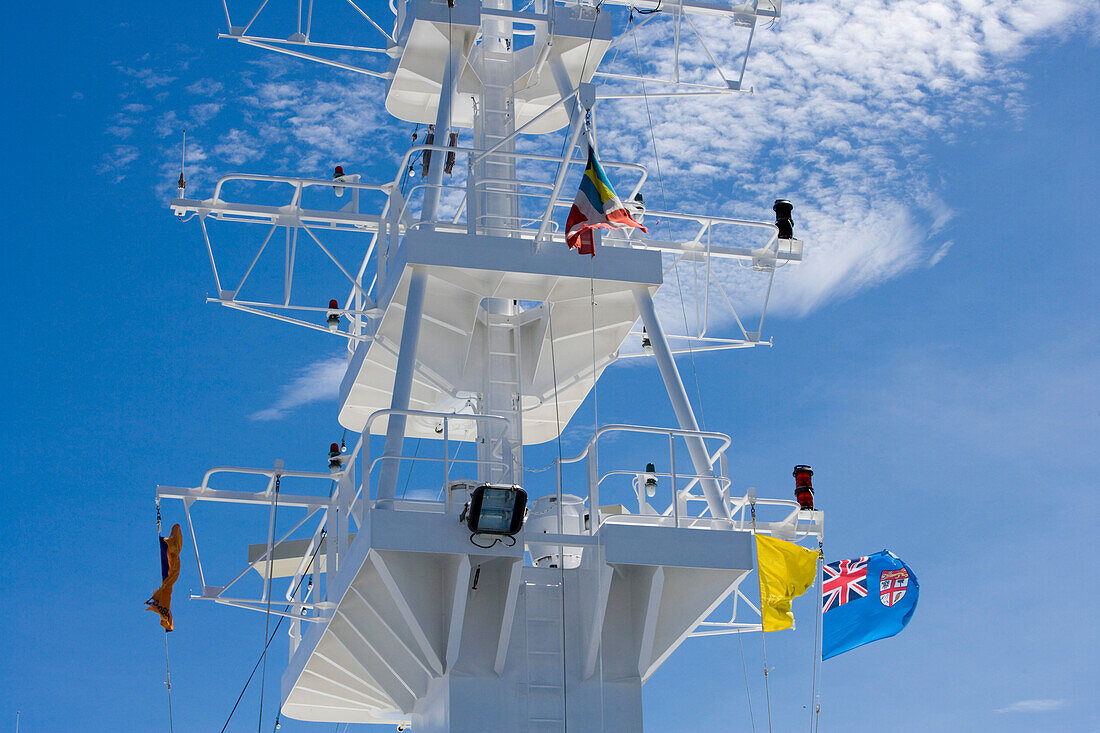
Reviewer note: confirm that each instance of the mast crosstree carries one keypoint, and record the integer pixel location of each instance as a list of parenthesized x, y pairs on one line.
[(469, 322)]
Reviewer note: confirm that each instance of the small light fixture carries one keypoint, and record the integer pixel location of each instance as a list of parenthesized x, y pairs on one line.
[(335, 458), (647, 345), (496, 509), (449, 163), (783, 221), (338, 175), (803, 487), (650, 480), (333, 315), (426, 156)]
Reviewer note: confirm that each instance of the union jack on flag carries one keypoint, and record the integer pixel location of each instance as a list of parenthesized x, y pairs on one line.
[(844, 581)]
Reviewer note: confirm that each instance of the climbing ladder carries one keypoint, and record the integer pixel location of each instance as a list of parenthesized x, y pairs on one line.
[(545, 651), (494, 172), (502, 444)]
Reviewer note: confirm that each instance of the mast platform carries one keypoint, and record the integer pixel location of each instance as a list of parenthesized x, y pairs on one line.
[(423, 623), (462, 272)]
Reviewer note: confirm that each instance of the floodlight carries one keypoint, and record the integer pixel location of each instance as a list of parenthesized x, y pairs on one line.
[(496, 509)]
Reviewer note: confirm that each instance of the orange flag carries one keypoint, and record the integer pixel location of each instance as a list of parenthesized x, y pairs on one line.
[(161, 602)]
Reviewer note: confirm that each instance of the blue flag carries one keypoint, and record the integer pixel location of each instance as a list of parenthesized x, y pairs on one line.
[(864, 600)]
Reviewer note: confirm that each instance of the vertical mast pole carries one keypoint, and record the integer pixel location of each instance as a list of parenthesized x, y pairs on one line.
[(414, 300), (697, 449), (442, 128)]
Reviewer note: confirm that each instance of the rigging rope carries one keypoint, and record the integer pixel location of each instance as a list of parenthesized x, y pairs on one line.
[(168, 682), (668, 228), (167, 665), (817, 631), (592, 512), (279, 623), (748, 694), (763, 646), (267, 616)]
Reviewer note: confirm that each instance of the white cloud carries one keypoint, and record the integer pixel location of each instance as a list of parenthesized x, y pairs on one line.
[(205, 87), (849, 96), (314, 383), (940, 253), (1033, 706)]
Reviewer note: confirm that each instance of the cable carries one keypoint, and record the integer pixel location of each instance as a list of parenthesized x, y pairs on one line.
[(501, 538), (168, 682), (167, 666), (817, 636), (668, 228), (763, 646), (748, 694), (408, 478), (267, 616), (275, 631)]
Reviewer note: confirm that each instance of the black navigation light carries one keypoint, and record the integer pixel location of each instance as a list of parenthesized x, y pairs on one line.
[(496, 509), (803, 487), (650, 480), (783, 221)]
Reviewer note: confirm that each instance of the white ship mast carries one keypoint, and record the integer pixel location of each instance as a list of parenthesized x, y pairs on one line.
[(469, 322)]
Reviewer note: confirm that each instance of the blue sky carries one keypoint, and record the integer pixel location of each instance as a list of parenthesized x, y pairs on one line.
[(935, 359)]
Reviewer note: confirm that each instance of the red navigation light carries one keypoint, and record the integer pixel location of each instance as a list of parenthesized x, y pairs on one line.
[(334, 450), (338, 172), (803, 487), (334, 303)]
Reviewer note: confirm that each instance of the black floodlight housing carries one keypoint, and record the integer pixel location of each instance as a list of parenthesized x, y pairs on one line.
[(783, 221), (496, 509)]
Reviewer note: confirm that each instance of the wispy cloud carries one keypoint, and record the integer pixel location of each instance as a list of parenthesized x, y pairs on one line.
[(849, 97), (1033, 706), (314, 383)]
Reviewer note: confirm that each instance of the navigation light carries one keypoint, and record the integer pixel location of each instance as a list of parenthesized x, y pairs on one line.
[(337, 175), (333, 315), (650, 480), (783, 221), (803, 487)]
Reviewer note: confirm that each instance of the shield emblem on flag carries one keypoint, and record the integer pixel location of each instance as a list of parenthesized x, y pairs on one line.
[(892, 585)]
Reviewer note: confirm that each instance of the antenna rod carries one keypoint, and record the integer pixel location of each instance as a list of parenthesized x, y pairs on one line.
[(182, 184)]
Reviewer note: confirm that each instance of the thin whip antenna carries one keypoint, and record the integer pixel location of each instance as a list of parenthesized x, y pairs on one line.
[(182, 184)]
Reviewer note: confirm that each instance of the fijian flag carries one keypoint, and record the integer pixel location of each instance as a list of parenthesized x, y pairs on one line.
[(595, 207), (864, 600), (161, 600)]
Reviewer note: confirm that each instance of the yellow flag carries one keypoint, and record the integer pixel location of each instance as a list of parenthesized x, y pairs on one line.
[(786, 571)]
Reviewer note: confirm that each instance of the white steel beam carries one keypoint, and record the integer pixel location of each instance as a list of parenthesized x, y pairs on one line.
[(406, 611), (459, 594), (402, 386), (515, 575), (680, 404)]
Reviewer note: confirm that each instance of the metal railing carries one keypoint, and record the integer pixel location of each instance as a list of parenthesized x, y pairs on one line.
[(329, 515)]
